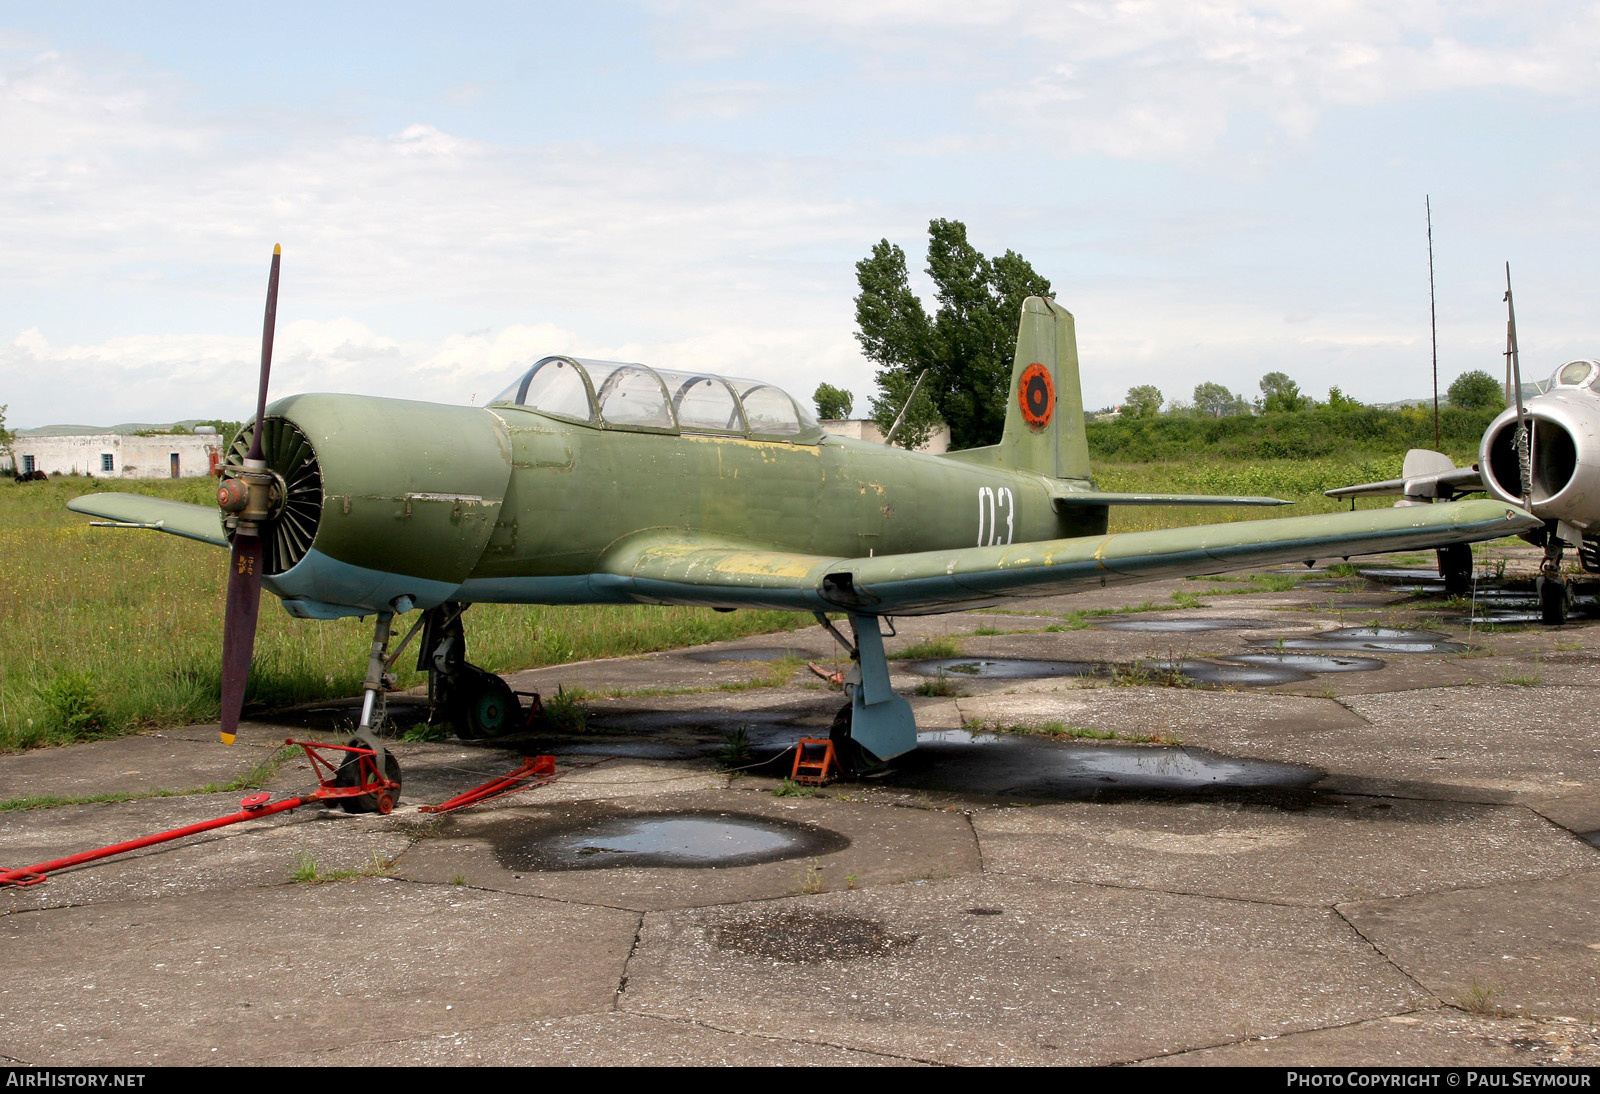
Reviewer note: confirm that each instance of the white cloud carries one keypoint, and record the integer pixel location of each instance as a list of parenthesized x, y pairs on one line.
[(1146, 79), (114, 192)]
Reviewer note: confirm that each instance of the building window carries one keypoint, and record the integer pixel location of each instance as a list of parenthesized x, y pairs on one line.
[(27, 465), (105, 462)]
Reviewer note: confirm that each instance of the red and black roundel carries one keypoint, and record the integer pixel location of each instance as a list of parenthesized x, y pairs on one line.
[(1037, 395)]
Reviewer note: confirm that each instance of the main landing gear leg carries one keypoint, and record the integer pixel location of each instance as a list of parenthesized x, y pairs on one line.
[(876, 725), (373, 712), (1552, 586), (476, 703)]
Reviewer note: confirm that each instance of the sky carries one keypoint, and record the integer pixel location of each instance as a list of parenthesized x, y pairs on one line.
[(1216, 190)]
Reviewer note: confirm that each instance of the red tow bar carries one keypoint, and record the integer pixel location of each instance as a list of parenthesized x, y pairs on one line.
[(368, 781), (534, 771)]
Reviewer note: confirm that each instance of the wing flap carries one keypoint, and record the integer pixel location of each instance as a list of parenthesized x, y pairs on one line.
[(178, 518)]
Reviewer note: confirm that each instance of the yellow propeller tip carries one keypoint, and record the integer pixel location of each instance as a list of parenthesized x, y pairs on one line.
[(277, 248), (227, 738)]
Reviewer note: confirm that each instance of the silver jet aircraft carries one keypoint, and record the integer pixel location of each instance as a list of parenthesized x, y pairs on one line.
[(1558, 481)]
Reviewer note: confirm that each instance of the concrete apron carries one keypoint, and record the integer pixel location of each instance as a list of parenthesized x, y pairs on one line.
[(1384, 866)]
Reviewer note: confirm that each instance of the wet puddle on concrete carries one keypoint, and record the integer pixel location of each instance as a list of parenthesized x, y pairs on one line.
[(1376, 639), (755, 653), (1390, 575), (1017, 765), (673, 734), (1314, 663), (591, 840), (1003, 668), (1219, 675), (1494, 616), (1225, 673), (1180, 625)]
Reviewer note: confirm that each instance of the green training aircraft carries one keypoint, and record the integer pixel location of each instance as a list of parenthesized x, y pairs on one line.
[(597, 482)]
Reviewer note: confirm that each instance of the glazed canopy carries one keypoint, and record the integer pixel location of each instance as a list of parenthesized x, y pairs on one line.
[(631, 396)]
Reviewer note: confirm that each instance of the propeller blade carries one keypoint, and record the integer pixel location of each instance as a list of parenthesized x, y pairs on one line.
[(239, 628), (268, 328), (244, 565)]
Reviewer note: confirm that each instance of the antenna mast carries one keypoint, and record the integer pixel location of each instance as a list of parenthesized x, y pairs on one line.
[(1433, 325)]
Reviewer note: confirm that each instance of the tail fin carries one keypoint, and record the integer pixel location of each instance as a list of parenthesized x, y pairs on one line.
[(1044, 418)]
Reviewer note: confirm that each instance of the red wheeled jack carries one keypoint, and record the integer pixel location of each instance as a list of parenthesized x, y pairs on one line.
[(354, 779)]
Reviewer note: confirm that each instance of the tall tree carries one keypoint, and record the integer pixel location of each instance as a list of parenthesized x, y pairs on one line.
[(1143, 401), (1476, 390), (967, 345), (833, 403), (1212, 400), (1278, 392)]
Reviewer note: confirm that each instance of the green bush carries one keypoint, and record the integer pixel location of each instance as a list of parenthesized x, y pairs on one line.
[(1323, 431), (71, 709)]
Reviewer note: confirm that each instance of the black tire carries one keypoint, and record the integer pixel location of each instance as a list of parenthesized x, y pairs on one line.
[(1455, 567), (853, 760), (491, 709), (349, 774), (1552, 602)]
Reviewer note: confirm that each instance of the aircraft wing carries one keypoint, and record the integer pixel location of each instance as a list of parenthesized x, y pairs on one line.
[(938, 581), (178, 518)]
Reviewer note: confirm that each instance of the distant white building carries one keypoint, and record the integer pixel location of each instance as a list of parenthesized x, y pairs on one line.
[(120, 455), (865, 429)]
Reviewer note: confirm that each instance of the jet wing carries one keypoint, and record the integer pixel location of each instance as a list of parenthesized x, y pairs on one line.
[(938, 581), (179, 518)]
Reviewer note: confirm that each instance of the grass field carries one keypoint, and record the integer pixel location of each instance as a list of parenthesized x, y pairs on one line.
[(104, 632)]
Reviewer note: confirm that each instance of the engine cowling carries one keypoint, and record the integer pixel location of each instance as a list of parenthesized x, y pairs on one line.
[(387, 499), (1565, 459)]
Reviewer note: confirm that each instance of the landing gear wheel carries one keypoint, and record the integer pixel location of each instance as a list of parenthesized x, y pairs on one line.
[(494, 707), (379, 801), (1552, 601), (476, 703), (1455, 566), (853, 760)]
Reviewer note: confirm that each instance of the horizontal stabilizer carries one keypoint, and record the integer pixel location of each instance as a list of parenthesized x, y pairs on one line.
[(178, 518), (1442, 484)]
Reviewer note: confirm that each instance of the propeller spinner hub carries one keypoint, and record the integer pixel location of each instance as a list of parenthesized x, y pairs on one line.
[(232, 496)]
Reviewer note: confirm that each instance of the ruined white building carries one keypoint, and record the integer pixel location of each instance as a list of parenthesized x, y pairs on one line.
[(119, 455)]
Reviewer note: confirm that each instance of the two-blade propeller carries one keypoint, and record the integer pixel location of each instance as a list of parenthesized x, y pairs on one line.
[(248, 496)]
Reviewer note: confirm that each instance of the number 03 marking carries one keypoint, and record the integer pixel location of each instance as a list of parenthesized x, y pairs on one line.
[(992, 503)]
